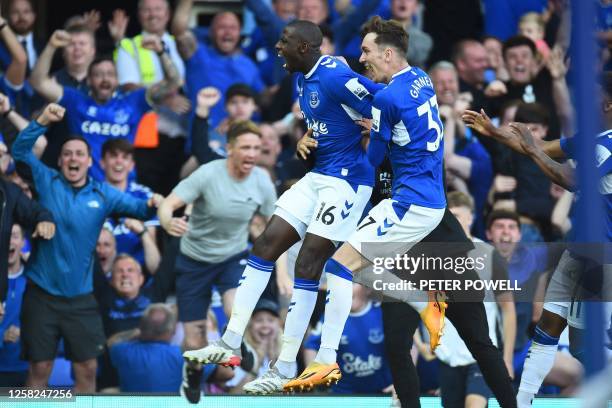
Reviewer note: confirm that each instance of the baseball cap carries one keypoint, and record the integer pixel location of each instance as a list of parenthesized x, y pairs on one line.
[(239, 89), (267, 305)]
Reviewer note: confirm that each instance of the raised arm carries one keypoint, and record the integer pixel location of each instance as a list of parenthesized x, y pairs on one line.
[(40, 79), (185, 40), (560, 91), (16, 71), (207, 98), (172, 79), (270, 23)]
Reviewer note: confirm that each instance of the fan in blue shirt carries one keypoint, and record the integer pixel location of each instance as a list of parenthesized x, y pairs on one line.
[(220, 65), (105, 112), (132, 237), (150, 363), (63, 265), (361, 355)]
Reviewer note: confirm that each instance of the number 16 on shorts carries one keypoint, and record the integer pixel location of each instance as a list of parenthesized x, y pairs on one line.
[(326, 215)]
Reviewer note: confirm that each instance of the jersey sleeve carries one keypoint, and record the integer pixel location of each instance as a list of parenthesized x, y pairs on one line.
[(347, 89), (603, 160), (382, 118)]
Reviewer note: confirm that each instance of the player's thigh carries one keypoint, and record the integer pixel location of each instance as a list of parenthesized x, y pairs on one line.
[(194, 282), (563, 282), (297, 205), (389, 230), (338, 209)]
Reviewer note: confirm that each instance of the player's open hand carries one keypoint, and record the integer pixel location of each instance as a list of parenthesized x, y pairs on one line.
[(480, 122), (52, 113), (44, 230), (177, 227), (305, 144), (59, 38)]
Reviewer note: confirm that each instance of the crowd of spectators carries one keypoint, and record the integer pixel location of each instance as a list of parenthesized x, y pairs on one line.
[(108, 289)]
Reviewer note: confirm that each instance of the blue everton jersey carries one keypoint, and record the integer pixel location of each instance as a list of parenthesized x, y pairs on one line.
[(119, 117), (361, 354), (331, 98), (127, 241), (405, 115), (603, 153)]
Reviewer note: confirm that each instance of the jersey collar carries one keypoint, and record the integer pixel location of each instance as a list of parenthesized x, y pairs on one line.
[(408, 68), (313, 69)]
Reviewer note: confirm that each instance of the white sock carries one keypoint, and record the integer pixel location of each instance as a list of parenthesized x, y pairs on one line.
[(539, 362), (337, 310), (250, 287), (298, 316)]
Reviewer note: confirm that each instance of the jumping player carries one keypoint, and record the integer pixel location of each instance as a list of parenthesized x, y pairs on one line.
[(323, 208), (405, 123)]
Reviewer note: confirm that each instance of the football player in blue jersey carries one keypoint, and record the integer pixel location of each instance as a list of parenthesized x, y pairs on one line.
[(105, 112), (560, 308), (406, 126), (323, 208)]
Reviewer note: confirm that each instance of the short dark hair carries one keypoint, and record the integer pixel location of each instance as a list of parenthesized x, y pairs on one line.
[(74, 136), (240, 128), (388, 32), (517, 41), (532, 113), (118, 144), (98, 60), (502, 214), (308, 31)]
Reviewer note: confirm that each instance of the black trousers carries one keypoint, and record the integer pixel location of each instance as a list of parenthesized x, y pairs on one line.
[(400, 322)]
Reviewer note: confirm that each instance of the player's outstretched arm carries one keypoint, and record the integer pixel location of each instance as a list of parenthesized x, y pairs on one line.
[(481, 123), (562, 174)]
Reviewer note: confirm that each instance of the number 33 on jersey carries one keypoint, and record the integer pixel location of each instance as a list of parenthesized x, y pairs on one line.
[(405, 115)]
